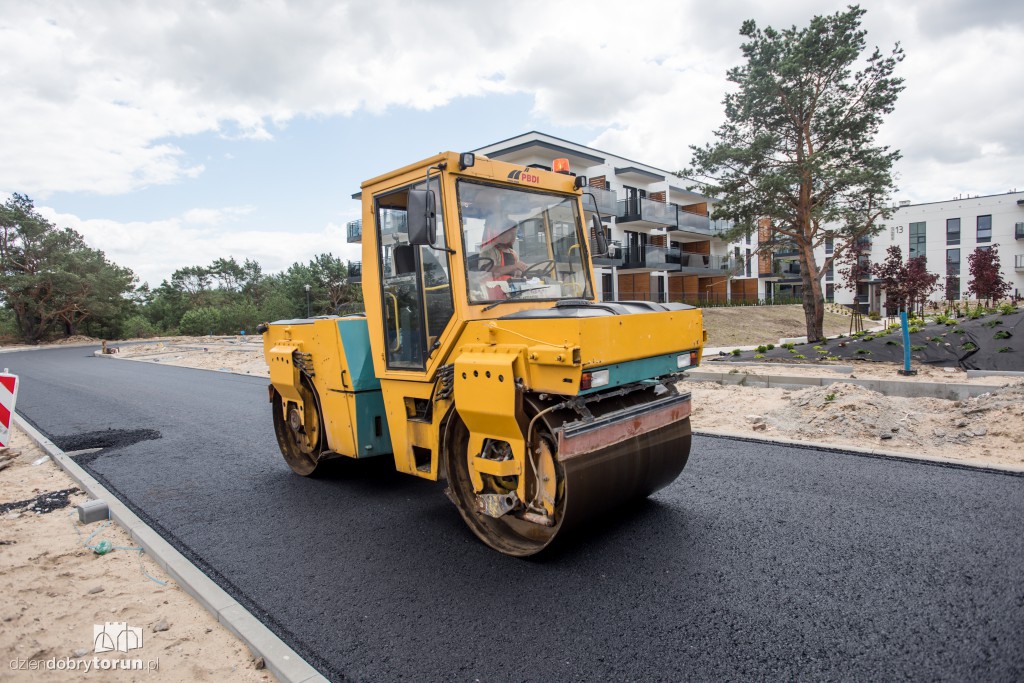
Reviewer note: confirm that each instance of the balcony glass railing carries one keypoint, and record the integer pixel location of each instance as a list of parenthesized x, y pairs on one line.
[(638, 209), (355, 269), (692, 221), (1018, 262), (693, 261), (355, 231), (607, 201), (662, 258), (1018, 231)]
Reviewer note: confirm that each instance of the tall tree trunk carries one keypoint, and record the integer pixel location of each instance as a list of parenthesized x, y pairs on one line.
[(813, 302)]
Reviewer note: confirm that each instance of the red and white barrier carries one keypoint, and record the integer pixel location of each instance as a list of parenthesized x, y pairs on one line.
[(8, 396)]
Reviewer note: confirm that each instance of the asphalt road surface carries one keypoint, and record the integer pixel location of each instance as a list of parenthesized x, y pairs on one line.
[(761, 561)]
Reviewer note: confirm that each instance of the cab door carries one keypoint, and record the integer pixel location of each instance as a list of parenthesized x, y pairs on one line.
[(415, 283)]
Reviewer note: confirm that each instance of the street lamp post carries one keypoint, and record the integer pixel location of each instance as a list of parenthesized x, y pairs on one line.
[(307, 301)]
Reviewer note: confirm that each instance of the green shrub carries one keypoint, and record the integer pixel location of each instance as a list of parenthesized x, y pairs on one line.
[(969, 346), (917, 347), (137, 326), (1002, 334), (830, 397), (874, 316), (958, 330), (862, 352), (200, 321), (1007, 309), (789, 345), (936, 339), (868, 337), (758, 355), (771, 346), (892, 342), (992, 323), (800, 356), (735, 352), (1004, 349), (761, 349), (818, 348)]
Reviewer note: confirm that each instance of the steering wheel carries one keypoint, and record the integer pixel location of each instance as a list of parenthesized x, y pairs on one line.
[(545, 267)]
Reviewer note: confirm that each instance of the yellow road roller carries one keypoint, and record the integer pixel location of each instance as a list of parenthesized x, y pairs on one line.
[(484, 357)]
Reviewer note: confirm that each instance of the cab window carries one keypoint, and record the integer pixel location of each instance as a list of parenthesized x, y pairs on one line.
[(416, 294)]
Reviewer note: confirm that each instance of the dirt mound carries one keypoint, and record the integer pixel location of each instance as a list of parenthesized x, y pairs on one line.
[(844, 409)]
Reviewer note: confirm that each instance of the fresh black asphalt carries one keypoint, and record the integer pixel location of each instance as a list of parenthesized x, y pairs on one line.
[(760, 562)]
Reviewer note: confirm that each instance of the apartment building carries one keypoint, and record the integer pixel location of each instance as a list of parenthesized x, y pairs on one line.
[(946, 233), (664, 246)]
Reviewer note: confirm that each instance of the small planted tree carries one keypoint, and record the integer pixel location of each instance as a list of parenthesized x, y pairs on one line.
[(986, 275), (907, 285), (855, 267)]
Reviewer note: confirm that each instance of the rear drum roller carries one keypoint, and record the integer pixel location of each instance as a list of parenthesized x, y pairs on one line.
[(299, 431), (585, 485)]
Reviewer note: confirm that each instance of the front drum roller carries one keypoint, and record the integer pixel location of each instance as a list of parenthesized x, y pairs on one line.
[(299, 430), (588, 484)]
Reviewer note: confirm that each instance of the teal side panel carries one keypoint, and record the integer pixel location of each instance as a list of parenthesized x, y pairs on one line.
[(370, 419), (637, 370), (355, 341)]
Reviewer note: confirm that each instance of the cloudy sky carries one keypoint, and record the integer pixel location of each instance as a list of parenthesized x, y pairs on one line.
[(171, 134)]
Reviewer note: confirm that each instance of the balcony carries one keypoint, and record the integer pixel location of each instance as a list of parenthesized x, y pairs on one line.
[(1018, 231), (355, 231), (613, 257), (607, 201), (704, 264), (355, 272), (693, 222), (661, 258), (646, 213)]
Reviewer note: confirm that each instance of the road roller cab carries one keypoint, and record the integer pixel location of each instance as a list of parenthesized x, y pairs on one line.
[(484, 357)]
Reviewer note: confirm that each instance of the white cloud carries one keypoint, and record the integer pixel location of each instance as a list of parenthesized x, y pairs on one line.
[(99, 99), (155, 249)]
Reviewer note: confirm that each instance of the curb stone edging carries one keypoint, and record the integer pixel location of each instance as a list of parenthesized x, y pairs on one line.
[(280, 659), (994, 468)]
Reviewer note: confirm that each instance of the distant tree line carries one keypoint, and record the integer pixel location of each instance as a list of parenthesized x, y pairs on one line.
[(53, 285)]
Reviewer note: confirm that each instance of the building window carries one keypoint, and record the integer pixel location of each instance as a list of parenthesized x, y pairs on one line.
[(830, 293), (917, 239), (985, 228), (952, 274), (830, 274), (952, 231), (748, 262), (829, 245)]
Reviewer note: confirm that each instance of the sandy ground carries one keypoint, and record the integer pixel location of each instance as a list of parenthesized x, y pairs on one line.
[(733, 325), (55, 590)]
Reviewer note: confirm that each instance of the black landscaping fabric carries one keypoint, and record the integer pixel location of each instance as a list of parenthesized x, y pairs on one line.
[(994, 341)]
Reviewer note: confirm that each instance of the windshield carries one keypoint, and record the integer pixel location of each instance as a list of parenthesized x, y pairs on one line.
[(521, 244)]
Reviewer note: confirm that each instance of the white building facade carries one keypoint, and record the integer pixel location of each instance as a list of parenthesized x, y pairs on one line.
[(946, 233)]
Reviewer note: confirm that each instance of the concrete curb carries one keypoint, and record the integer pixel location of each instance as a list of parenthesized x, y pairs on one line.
[(280, 659), (904, 389), (872, 452)]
